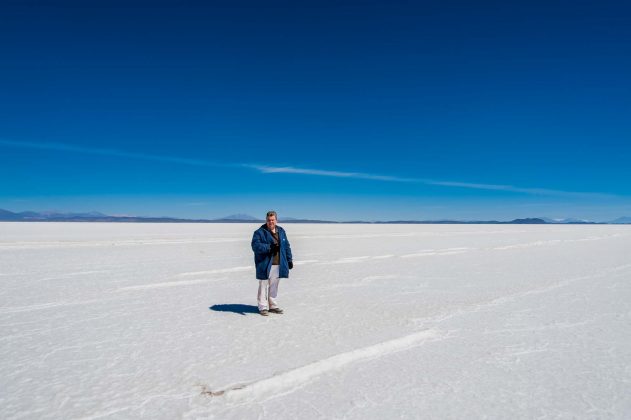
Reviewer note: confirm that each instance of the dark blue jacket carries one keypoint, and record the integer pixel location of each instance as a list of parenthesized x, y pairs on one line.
[(262, 241)]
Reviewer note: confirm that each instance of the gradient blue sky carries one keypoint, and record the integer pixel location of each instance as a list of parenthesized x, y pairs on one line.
[(339, 110)]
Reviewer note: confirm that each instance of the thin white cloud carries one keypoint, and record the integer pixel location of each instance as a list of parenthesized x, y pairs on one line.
[(511, 188), (300, 171), (61, 147), (319, 172), (493, 187)]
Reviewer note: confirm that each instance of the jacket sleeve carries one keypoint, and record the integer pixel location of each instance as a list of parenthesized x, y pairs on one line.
[(259, 246), (288, 250)]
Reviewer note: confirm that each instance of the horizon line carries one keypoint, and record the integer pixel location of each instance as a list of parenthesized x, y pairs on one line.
[(77, 215)]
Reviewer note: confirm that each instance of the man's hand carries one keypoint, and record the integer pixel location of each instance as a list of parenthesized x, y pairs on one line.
[(291, 264)]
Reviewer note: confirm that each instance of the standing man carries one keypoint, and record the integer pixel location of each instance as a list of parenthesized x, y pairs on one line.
[(272, 256)]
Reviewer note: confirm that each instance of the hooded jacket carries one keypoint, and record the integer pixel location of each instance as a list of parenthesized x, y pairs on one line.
[(262, 241)]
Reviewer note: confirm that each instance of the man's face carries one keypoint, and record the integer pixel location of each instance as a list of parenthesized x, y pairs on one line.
[(271, 222)]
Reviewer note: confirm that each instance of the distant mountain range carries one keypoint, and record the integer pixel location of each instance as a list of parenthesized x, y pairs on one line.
[(53, 216), (240, 217), (570, 220), (622, 220)]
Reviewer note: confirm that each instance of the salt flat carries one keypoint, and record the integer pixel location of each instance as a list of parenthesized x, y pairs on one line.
[(381, 321)]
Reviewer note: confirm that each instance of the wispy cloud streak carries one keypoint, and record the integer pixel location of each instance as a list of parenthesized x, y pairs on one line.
[(61, 147), (492, 187), (319, 172)]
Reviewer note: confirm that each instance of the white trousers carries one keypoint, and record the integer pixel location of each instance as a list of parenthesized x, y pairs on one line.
[(268, 290)]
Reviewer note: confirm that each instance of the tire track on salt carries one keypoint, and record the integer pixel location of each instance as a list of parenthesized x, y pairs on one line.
[(288, 381)]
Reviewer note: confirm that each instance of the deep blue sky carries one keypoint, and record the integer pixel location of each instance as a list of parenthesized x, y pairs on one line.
[(339, 110)]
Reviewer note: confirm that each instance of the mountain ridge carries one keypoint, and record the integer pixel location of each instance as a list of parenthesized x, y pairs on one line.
[(95, 216)]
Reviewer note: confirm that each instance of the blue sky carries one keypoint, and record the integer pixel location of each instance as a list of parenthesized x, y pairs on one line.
[(340, 110)]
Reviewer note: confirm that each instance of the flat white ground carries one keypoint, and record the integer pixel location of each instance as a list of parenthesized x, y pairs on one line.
[(381, 321)]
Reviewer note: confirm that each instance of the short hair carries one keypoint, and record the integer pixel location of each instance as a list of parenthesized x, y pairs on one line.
[(270, 214)]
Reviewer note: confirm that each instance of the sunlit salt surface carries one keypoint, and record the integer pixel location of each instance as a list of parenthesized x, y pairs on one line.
[(381, 321)]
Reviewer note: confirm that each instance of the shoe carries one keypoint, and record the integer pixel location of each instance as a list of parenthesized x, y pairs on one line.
[(264, 312), (276, 311)]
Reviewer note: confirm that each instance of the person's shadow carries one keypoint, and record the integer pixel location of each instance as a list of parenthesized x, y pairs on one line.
[(237, 308)]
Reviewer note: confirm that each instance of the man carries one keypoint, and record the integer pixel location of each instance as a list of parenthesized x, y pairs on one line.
[(273, 260)]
